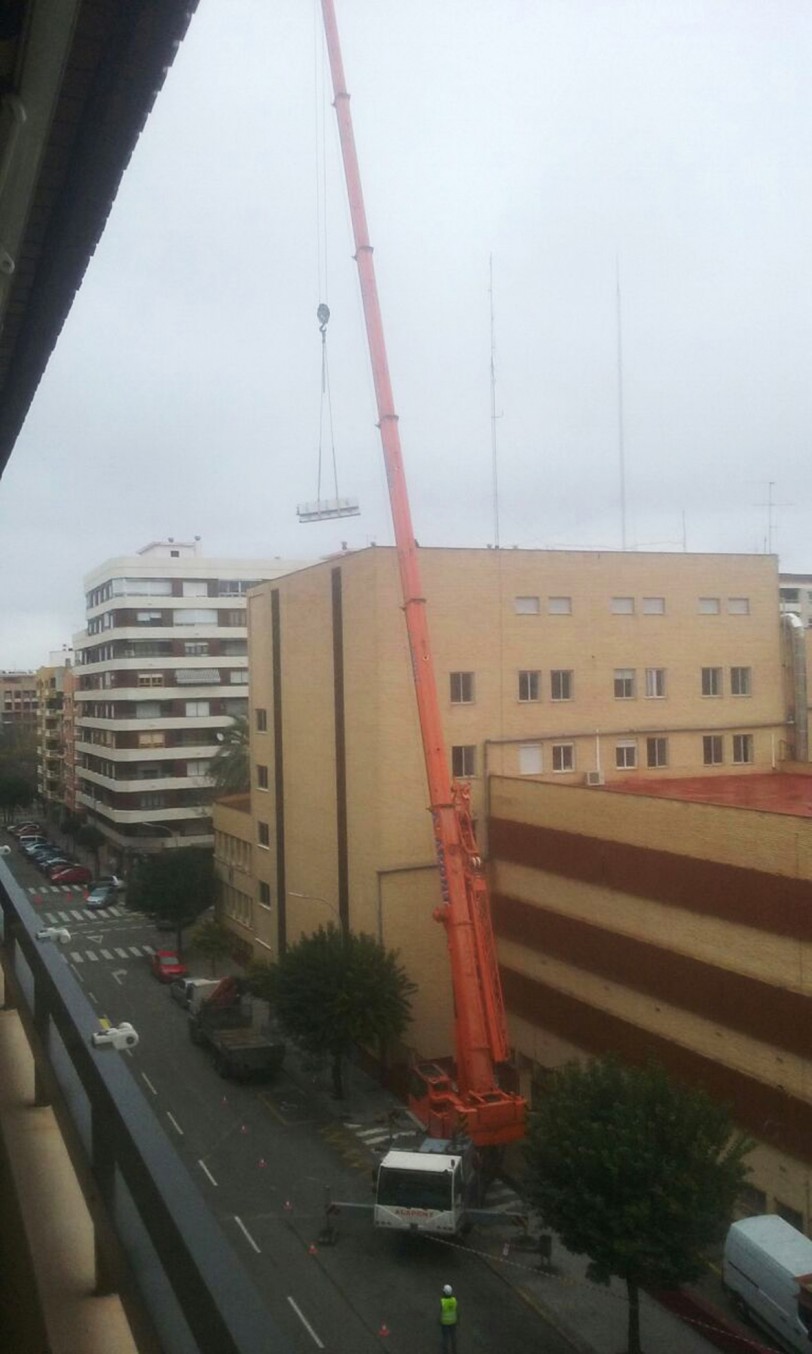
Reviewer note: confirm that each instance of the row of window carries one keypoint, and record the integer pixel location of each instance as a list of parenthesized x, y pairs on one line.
[(628, 606), (562, 684), (111, 620), (626, 753), (168, 587), (191, 648)]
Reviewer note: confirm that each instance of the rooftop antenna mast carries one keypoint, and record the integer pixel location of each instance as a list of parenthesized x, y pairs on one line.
[(620, 430), (494, 461)]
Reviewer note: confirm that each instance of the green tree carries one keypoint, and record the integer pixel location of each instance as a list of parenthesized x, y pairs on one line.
[(212, 940), (16, 792), (230, 767), (635, 1171), (332, 991), (92, 839), (177, 884)]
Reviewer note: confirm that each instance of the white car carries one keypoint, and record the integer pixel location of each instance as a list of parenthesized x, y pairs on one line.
[(111, 881)]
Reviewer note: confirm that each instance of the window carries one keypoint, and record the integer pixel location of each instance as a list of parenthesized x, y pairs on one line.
[(790, 594), (559, 606), (530, 759), (623, 606), (263, 834), (626, 756), (238, 677), (738, 606), (561, 684), (740, 682), (655, 682), (197, 676), (656, 752), (146, 710), (529, 686), (151, 740), (234, 618), (195, 587), (262, 777), (712, 753), (526, 606), (462, 688), (144, 618), (150, 679), (709, 606), (742, 748), (264, 894), (196, 616), (198, 768), (196, 648), (563, 756), (653, 606), (261, 718), (463, 760), (624, 684), (197, 709), (711, 681)]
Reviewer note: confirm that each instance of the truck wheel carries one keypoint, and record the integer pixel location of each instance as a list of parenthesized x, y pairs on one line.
[(741, 1307)]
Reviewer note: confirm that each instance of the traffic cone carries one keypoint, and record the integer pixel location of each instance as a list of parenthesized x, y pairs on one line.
[(287, 1207), (312, 1249), (244, 1128), (262, 1163), (384, 1330)]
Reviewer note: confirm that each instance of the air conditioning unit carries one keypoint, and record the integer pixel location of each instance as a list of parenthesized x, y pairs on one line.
[(594, 778)]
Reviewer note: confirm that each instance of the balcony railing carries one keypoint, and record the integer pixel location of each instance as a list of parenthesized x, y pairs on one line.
[(180, 1282)]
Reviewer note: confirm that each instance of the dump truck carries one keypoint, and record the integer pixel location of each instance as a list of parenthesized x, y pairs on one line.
[(222, 1019)]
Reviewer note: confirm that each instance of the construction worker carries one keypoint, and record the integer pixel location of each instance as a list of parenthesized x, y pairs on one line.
[(449, 1318)]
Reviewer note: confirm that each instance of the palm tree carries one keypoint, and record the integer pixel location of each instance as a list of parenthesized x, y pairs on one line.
[(230, 767)]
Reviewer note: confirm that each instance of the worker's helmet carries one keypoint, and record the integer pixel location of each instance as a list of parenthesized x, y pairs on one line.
[(448, 1290)]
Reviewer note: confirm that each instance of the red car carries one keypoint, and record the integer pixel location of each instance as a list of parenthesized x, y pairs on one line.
[(71, 874), (166, 965)]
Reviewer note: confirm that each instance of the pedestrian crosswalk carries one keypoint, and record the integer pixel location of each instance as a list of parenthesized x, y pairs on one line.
[(116, 952), (72, 915), (87, 914)]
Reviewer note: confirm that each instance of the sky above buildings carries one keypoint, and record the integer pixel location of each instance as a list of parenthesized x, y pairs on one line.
[(573, 145)]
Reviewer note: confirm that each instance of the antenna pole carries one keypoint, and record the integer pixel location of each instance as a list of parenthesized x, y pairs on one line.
[(620, 430), (494, 462)]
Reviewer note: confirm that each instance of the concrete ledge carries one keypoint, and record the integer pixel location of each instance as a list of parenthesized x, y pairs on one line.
[(48, 1203)]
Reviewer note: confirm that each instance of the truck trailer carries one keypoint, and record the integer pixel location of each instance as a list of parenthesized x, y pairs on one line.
[(222, 1020), (767, 1269)]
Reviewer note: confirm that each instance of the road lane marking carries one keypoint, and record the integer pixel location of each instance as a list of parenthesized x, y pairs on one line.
[(77, 916), (76, 957), (149, 1083), (120, 974), (105, 954), (247, 1234), (173, 1121), (204, 1168), (122, 954), (134, 949), (92, 956), (306, 1323)]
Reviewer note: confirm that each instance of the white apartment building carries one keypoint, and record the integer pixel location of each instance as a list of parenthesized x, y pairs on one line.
[(161, 671)]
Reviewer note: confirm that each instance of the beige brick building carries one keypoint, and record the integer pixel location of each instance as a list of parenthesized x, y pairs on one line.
[(555, 666), (672, 929)]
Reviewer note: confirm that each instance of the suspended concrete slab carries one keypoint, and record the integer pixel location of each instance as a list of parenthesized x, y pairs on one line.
[(325, 508)]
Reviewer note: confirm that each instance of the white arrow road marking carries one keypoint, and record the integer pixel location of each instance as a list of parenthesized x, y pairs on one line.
[(119, 974), (95, 940)]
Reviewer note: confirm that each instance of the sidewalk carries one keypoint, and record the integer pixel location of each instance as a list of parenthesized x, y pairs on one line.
[(593, 1319)]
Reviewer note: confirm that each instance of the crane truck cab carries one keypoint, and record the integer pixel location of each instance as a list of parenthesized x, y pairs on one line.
[(429, 1190)]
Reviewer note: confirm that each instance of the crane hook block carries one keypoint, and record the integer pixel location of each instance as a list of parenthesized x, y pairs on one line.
[(323, 315)]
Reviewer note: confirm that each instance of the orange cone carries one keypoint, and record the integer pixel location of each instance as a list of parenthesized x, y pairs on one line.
[(384, 1330), (312, 1249)]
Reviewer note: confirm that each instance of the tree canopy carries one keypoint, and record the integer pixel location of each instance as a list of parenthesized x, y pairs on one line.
[(637, 1172), (177, 884), (16, 792), (230, 767), (334, 990), (211, 940)]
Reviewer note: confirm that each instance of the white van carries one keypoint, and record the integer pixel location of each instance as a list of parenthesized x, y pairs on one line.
[(767, 1269)]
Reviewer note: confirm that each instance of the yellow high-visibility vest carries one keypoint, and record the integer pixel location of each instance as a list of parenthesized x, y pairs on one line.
[(448, 1311)]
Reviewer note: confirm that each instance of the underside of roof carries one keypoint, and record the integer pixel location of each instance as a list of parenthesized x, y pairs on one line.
[(77, 81)]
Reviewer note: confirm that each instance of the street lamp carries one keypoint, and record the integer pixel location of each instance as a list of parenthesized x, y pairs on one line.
[(314, 898)]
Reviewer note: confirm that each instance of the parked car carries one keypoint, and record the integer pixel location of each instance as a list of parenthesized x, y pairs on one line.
[(100, 896), (17, 829), (71, 874), (49, 862), (109, 880), (166, 965), (29, 844)]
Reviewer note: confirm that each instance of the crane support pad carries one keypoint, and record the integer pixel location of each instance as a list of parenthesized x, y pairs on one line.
[(328, 508)]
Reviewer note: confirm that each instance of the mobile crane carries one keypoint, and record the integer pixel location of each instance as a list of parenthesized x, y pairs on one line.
[(471, 1110)]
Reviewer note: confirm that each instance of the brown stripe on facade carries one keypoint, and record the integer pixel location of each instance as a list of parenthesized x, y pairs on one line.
[(767, 902), (340, 751), (777, 1016), (768, 1112), (278, 771)]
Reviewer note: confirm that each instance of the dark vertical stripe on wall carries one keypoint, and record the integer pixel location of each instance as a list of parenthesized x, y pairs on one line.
[(278, 772), (341, 754)]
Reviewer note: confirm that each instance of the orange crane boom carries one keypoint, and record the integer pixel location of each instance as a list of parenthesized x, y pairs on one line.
[(488, 1114)]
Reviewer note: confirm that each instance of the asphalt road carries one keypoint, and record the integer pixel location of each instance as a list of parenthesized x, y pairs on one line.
[(264, 1156)]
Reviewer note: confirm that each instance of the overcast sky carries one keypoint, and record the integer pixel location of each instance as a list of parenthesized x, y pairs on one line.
[(666, 141)]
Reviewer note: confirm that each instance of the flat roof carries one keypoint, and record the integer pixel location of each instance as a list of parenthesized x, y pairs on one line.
[(787, 792)]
